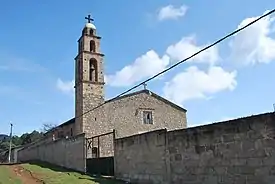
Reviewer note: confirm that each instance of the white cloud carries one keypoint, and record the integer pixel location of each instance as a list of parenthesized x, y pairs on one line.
[(144, 66), (187, 46), (254, 44), (194, 83), (65, 86), (151, 63), (171, 12)]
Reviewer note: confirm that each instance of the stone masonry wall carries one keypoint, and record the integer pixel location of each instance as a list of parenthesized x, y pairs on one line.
[(68, 153), (235, 152), (125, 116), (104, 143), (141, 158), (89, 92)]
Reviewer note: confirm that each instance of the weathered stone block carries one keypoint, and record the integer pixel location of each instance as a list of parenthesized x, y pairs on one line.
[(237, 162), (230, 161), (210, 179), (254, 161), (268, 179), (178, 157), (262, 171), (268, 161), (254, 179)]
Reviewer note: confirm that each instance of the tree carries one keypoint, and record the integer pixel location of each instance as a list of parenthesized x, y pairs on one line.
[(25, 138), (16, 140), (47, 127), (32, 137)]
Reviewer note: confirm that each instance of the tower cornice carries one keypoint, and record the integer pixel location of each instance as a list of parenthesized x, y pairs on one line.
[(91, 53), (88, 82), (91, 36)]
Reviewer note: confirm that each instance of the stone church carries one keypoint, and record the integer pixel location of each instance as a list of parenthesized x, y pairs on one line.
[(133, 113)]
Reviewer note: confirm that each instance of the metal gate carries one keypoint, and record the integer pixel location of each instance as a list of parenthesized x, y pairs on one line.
[(100, 166), (100, 154)]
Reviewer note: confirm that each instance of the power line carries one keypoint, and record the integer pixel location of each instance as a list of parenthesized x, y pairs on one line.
[(180, 62)]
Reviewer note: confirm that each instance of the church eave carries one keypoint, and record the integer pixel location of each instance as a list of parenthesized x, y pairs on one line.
[(169, 102), (71, 121)]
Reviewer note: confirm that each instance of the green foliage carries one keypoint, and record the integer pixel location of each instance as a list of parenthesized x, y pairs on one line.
[(4, 145), (24, 139), (48, 127)]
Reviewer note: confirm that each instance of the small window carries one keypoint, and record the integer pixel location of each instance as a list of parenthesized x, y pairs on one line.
[(79, 70), (94, 152), (92, 46), (147, 117), (85, 31), (60, 134), (71, 131), (80, 46), (93, 73), (91, 32)]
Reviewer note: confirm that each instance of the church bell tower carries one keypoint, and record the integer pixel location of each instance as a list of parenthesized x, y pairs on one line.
[(89, 76)]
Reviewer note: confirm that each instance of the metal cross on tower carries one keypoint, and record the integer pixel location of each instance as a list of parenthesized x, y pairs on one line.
[(89, 19), (144, 85)]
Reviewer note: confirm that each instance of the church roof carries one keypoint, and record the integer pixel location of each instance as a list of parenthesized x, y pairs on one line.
[(152, 94), (67, 122), (71, 121)]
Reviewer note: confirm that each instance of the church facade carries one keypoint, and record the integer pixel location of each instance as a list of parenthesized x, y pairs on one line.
[(133, 113)]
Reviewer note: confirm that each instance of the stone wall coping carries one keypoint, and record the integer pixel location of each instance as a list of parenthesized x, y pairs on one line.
[(225, 126), (38, 143), (141, 134)]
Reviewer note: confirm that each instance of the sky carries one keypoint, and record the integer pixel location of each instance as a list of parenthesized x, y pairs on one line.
[(38, 43)]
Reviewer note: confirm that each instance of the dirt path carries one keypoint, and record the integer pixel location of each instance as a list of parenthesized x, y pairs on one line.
[(24, 175)]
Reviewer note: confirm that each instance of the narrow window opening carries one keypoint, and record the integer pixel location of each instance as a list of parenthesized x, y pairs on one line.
[(80, 47), (94, 152), (79, 70), (93, 75), (92, 46), (85, 31), (91, 32), (147, 117)]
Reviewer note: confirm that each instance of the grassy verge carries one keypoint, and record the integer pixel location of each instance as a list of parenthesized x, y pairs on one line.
[(6, 177), (54, 175)]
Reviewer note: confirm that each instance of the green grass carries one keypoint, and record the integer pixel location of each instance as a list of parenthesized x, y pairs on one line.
[(49, 175), (55, 175), (6, 177)]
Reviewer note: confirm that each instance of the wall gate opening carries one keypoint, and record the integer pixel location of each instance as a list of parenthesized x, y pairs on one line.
[(100, 154)]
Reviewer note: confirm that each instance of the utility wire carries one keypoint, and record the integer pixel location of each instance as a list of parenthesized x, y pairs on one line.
[(180, 62)]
